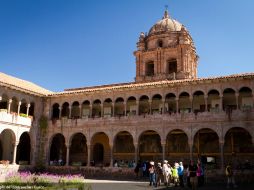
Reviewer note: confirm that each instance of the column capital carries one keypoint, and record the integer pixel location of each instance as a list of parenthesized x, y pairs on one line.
[(68, 145), (15, 143), (135, 144), (19, 103), (28, 105), (10, 100), (190, 142), (221, 142)]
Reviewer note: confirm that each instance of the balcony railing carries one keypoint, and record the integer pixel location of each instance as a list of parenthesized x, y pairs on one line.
[(13, 118), (235, 115)]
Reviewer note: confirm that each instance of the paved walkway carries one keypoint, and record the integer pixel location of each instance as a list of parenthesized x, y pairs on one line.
[(136, 185)]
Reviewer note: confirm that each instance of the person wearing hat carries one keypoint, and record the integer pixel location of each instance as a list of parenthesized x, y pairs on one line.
[(152, 174), (175, 174), (166, 172)]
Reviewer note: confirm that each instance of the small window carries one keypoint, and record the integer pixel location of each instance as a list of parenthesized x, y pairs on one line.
[(160, 43), (150, 69), (172, 66)]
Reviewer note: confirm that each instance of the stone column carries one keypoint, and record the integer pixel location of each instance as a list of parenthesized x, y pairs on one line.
[(27, 109), (111, 155), (237, 100), (191, 149), (67, 154), (70, 107), (163, 106), (9, 106), (222, 155), (91, 110), (80, 111), (125, 108), (221, 102), (15, 152), (137, 109), (150, 106), (136, 152), (206, 100), (60, 112), (177, 106), (113, 109), (19, 107), (102, 110), (163, 144), (191, 102), (88, 154)]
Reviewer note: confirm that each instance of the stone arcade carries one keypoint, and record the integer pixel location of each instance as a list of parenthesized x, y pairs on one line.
[(167, 113)]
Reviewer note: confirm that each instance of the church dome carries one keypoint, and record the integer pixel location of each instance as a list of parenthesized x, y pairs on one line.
[(167, 24)]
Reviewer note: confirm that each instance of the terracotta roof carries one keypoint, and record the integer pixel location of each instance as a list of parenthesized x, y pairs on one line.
[(23, 85), (26, 86), (145, 84)]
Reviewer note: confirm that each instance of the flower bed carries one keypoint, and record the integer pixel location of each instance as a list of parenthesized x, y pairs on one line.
[(27, 180)]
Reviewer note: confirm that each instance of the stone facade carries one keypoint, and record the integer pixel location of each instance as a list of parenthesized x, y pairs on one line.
[(167, 113)]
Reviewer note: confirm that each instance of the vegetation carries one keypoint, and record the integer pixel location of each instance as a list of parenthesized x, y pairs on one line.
[(43, 181)]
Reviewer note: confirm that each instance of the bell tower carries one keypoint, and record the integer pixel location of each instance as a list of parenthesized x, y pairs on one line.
[(167, 52)]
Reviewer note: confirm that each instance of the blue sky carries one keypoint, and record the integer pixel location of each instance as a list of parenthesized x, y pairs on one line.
[(61, 44)]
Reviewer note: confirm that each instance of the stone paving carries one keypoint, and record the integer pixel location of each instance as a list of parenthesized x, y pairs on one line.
[(143, 185)]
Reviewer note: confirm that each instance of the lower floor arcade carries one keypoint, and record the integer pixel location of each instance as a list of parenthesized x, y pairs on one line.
[(100, 150), (15, 150)]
